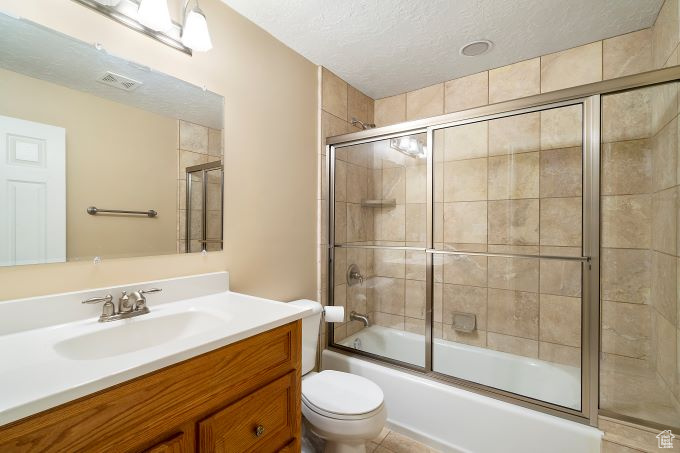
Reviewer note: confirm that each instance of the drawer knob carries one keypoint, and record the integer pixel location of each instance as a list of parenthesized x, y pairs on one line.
[(259, 431)]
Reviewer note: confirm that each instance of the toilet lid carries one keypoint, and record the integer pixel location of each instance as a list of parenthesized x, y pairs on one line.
[(342, 393)]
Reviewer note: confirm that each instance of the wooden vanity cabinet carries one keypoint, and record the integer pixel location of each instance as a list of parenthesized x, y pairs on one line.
[(176, 444), (262, 421), (244, 397)]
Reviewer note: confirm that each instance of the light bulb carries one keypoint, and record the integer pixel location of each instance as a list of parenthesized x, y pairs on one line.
[(413, 146), (195, 34), (154, 14)]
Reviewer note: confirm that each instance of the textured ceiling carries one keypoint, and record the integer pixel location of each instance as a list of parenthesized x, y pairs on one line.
[(44, 54), (386, 47)]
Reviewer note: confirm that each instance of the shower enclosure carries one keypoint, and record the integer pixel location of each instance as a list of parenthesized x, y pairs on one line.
[(474, 245), (203, 223)]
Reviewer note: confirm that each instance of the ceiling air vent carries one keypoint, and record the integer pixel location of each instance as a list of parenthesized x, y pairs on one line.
[(119, 81)]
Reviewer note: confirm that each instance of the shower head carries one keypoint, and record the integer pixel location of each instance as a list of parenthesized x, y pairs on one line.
[(361, 124)]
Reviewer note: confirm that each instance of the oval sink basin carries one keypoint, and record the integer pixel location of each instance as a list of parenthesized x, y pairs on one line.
[(137, 334)]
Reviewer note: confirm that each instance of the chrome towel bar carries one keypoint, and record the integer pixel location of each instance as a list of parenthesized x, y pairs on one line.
[(92, 211)]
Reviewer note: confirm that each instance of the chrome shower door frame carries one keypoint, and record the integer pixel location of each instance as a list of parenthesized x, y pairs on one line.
[(590, 223), (589, 97), (203, 169)]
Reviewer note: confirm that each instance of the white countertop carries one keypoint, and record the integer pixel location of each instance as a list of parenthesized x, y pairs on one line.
[(36, 374)]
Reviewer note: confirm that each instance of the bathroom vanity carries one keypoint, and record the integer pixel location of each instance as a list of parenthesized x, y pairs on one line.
[(219, 371)]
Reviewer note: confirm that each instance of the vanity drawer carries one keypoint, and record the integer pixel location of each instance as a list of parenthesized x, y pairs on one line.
[(262, 421)]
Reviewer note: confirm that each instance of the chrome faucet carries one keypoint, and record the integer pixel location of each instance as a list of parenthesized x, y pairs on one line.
[(354, 316), (129, 305), (124, 305)]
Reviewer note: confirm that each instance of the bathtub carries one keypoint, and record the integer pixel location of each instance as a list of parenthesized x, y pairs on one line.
[(546, 381), (455, 420)]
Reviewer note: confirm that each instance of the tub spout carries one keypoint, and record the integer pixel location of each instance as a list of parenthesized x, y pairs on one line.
[(354, 316)]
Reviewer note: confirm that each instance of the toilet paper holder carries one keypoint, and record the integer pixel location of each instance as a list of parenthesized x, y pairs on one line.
[(334, 313)]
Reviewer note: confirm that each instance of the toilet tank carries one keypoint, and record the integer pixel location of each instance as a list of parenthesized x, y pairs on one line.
[(310, 333)]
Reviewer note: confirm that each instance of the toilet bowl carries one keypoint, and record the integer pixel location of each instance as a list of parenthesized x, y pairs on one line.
[(343, 409)]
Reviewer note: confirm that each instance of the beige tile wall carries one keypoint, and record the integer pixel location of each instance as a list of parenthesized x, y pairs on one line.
[(663, 242), (505, 186), (393, 291), (396, 292), (340, 102), (481, 156), (198, 145), (640, 258), (480, 171), (610, 58), (640, 208), (511, 185), (626, 234)]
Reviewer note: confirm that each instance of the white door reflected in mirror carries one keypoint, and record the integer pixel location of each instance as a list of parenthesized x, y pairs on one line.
[(32, 192)]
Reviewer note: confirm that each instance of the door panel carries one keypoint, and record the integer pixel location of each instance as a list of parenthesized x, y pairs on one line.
[(507, 253), (380, 226), (32, 192)]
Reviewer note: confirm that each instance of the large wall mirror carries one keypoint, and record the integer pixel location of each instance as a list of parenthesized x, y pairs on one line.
[(102, 157)]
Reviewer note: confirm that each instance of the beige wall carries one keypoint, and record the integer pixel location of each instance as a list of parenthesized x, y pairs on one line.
[(270, 147), (134, 169)]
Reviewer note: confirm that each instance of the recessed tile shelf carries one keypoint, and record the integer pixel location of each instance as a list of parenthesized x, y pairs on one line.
[(389, 203)]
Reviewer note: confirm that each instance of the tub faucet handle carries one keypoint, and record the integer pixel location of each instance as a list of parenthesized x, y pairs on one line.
[(354, 275)]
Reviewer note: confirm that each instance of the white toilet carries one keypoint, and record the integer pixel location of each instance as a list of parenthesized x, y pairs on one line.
[(343, 409)]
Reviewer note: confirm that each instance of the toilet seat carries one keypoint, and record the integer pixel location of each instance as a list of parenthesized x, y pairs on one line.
[(336, 416), (342, 396)]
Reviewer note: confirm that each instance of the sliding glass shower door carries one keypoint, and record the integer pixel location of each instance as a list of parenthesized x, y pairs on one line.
[(508, 248), (464, 250), (204, 200), (379, 227)]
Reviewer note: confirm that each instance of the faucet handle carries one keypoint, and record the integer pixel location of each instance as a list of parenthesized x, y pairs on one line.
[(93, 300), (108, 309), (140, 302)]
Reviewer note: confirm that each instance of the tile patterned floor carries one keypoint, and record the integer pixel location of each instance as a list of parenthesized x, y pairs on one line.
[(392, 442)]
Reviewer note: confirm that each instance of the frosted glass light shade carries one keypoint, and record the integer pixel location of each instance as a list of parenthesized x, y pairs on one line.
[(195, 34), (108, 2), (409, 145), (154, 14)]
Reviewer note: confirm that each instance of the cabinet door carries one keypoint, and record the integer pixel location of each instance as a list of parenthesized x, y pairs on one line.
[(264, 421), (173, 445), (292, 447)]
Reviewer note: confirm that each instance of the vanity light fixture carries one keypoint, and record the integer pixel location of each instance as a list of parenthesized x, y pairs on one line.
[(152, 18), (195, 33), (154, 14)]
